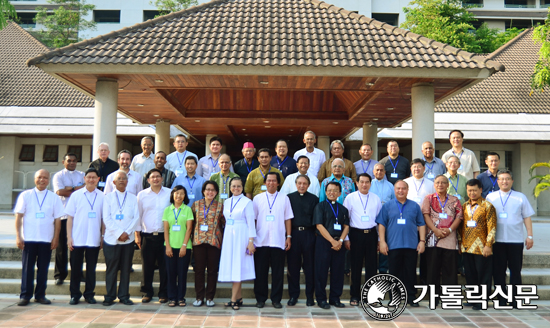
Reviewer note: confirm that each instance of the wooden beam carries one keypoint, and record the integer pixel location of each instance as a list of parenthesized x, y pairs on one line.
[(233, 133), (361, 104), (257, 114), (179, 101)]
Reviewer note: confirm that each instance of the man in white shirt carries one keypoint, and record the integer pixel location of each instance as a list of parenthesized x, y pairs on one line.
[(366, 163), (135, 180), (38, 211), (208, 164), (363, 208), (121, 218), (65, 182), (419, 186), (142, 163), (176, 160), (513, 211), (273, 214), (289, 186), (469, 166), (150, 235), (84, 230), (316, 156)]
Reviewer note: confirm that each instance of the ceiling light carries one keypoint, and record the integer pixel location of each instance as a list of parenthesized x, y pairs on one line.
[(197, 121), (290, 135), (267, 127), (244, 129), (264, 82), (140, 105), (369, 84), (266, 121), (375, 119), (291, 130), (246, 135), (155, 115), (120, 89), (389, 108), (334, 122), (159, 80)]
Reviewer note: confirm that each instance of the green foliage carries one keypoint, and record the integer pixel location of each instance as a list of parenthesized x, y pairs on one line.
[(541, 76), (170, 6), (63, 24), (450, 22), (6, 11), (543, 180)]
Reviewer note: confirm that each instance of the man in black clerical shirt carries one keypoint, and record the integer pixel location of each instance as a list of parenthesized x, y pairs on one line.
[(332, 222), (104, 165), (303, 236)]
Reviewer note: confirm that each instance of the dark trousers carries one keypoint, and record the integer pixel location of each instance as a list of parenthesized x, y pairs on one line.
[(325, 259), (61, 269), (40, 254), (478, 270), (507, 255), (440, 266), (402, 264), (77, 261), (152, 255), (363, 247), (382, 263), (118, 257), (176, 271), (207, 257), (301, 254), (266, 257)]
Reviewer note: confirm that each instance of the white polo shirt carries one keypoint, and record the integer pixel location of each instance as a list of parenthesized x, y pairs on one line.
[(316, 159), (270, 224), (120, 203), (134, 186), (468, 162), (86, 208), (142, 164), (419, 188), (66, 178), (363, 209), (289, 186), (151, 208), (39, 209), (175, 162), (517, 207)]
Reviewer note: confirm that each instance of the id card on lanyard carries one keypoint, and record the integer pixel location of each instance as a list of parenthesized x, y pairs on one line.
[(40, 214), (400, 220), (337, 225)]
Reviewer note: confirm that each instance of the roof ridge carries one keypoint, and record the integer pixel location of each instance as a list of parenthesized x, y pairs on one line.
[(405, 33), (147, 23), (28, 35), (508, 44)]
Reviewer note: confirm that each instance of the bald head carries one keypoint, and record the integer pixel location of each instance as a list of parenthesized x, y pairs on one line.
[(428, 151), (225, 163), (41, 179)]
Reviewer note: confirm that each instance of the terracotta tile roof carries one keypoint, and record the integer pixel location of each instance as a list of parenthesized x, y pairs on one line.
[(266, 33), (30, 86), (505, 92)]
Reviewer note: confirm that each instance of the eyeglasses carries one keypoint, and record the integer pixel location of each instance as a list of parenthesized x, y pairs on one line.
[(209, 189), (225, 162), (337, 167)]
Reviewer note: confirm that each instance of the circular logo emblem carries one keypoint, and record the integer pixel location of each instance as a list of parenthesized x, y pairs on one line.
[(383, 297)]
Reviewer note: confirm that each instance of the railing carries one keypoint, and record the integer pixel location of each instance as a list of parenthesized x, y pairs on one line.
[(519, 6), (546, 5), (30, 25), (472, 5)]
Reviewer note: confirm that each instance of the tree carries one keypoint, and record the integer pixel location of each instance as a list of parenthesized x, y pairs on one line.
[(541, 76), (448, 21), (6, 11), (170, 6), (62, 26), (543, 180)]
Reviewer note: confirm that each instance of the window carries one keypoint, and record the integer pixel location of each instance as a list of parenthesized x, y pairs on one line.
[(77, 150), (472, 3), (26, 20), (50, 154), (519, 4), (27, 153), (482, 165), (521, 23), (392, 19), (150, 14), (107, 16), (508, 160)]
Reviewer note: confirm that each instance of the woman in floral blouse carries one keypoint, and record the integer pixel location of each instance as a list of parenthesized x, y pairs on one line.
[(207, 241)]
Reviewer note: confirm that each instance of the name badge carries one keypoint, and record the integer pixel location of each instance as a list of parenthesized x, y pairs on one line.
[(270, 218), (430, 176), (458, 196), (471, 223), (119, 216), (40, 215), (442, 215), (101, 184), (229, 222), (461, 167), (179, 171), (263, 188), (337, 226), (204, 227), (365, 218), (191, 196), (176, 227), (91, 215), (400, 221), (417, 199), (503, 215), (223, 196), (394, 175)]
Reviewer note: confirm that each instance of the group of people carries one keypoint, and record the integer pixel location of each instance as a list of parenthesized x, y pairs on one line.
[(241, 220)]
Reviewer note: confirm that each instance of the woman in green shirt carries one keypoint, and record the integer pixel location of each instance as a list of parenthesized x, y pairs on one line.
[(178, 226)]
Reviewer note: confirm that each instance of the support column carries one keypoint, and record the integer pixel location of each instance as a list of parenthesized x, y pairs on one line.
[(162, 136), (323, 143), (422, 101), (527, 157), (207, 144), (9, 163), (105, 121), (370, 136)]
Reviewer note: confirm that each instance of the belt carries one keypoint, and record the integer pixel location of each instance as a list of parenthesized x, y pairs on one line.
[(156, 233), (302, 228), (364, 230)]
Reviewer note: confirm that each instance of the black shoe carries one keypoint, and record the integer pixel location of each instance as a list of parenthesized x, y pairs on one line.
[(323, 305), (58, 282), (163, 300), (411, 303), (83, 278), (127, 302), (277, 305), (337, 304), (382, 271), (292, 301), (108, 303), (73, 301), (310, 302), (43, 301), (146, 299), (91, 300), (476, 307), (23, 302), (468, 304), (260, 305)]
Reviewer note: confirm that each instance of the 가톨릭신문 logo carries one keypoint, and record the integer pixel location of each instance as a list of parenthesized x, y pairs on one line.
[(383, 297)]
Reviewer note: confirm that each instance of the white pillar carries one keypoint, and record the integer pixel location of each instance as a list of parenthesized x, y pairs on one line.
[(207, 144), (528, 156), (106, 105), (422, 101), (323, 143), (162, 136), (370, 136)]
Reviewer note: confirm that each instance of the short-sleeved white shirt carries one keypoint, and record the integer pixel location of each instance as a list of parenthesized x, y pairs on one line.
[(316, 159), (134, 186), (468, 162), (142, 164), (419, 188), (86, 208), (289, 186), (510, 229), (176, 161), (271, 232), (66, 178), (113, 227), (32, 201), (363, 209), (151, 209)]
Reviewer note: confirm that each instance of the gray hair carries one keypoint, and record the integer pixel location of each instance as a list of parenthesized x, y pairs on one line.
[(505, 172), (454, 156), (103, 144), (147, 137), (124, 151), (383, 167), (303, 176), (310, 132), (119, 172), (339, 159), (338, 142)]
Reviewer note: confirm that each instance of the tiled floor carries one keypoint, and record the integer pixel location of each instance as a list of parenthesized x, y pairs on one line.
[(61, 314)]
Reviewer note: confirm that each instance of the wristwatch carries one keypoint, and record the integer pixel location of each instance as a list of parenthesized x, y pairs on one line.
[(530, 237), (341, 240), (288, 236), (450, 230)]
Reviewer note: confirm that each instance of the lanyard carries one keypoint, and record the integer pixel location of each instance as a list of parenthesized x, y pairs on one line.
[(189, 183), (333, 212), (91, 204), (231, 208), (493, 181), (439, 200), (214, 164), (461, 153), (205, 210), (472, 212), (363, 166), (418, 189), (270, 205), (401, 209), (251, 165), (367, 203), (121, 207), (431, 168), (183, 159), (394, 166), (263, 175), (176, 215), (504, 204), (451, 181), (224, 181), (279, 163), (40, 204)]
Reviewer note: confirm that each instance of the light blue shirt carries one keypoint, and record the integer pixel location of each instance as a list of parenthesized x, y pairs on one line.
[(434, 168), (347, 188), (383, 189), (362, 166), (193, 186)]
